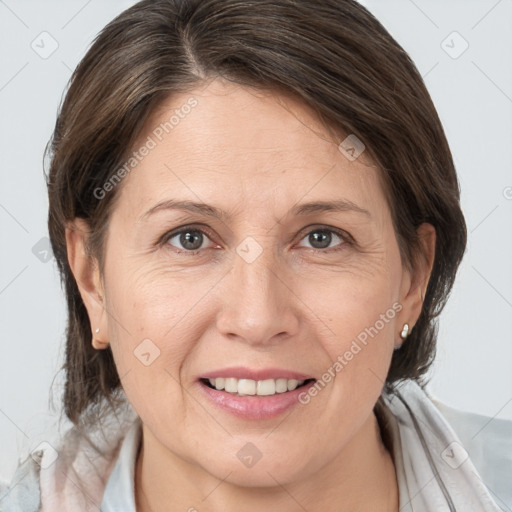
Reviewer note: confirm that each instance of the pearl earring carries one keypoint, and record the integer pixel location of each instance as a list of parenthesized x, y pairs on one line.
[(97, 330), (403, 335)]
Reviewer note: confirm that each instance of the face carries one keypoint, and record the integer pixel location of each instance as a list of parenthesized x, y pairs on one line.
[(270, 282)]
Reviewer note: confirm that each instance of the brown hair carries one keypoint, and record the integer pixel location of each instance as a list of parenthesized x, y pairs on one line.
[(332, 54)]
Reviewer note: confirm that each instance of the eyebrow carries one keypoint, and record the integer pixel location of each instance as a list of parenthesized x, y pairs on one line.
[(341, 205)]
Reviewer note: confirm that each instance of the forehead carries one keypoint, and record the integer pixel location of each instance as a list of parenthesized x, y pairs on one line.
[(226, 142)]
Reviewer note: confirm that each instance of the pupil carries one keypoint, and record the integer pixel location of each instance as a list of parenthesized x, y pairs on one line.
[(189, 240), (324, 239)]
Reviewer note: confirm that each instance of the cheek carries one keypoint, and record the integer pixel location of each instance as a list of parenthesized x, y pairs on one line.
[(355, 307), (152, 302), (359, 313), (155, 320)]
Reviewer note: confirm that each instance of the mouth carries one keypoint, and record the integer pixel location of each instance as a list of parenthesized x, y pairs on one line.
[(254, 394), (255, 388)]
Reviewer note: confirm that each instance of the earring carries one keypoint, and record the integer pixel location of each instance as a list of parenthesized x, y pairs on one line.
[(403, 335), (98, 344)]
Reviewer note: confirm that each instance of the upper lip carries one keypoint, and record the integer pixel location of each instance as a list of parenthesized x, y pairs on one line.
[(240, 372)]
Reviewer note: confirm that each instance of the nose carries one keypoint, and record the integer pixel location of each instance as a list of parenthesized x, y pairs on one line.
[(259, 306)]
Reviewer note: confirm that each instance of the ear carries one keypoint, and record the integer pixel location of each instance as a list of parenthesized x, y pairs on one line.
[(85, 269), (415, 281)]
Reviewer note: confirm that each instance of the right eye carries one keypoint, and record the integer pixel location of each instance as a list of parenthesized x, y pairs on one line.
[(188, 240)]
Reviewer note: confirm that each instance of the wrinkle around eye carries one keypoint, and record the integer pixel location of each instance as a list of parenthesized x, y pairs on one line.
[(298, 240)]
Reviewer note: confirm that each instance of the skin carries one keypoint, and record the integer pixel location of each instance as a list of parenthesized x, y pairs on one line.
[(298, 306)]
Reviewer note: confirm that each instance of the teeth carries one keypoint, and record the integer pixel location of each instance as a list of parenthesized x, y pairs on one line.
[(244, 387)]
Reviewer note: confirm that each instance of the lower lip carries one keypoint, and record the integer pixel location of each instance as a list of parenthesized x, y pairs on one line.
[(254, 407)]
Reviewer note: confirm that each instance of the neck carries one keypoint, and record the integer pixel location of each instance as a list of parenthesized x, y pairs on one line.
[(361, 477)]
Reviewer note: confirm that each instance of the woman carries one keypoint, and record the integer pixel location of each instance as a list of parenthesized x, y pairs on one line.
[(256, 217)]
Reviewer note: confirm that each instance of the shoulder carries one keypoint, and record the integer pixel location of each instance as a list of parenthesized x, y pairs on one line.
[(470, 455), (488, 443), (477, 429), (22, 494), (71, 475)]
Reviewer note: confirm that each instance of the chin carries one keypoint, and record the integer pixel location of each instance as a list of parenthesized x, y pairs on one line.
[(248, 467)]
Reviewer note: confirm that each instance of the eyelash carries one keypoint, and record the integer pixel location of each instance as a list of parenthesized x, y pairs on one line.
[(347, 239)]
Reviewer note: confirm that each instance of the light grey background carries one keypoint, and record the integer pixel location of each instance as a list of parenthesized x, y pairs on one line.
[(473, 95)]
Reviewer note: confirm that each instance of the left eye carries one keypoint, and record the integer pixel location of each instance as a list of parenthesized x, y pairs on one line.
[(322, 238)]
